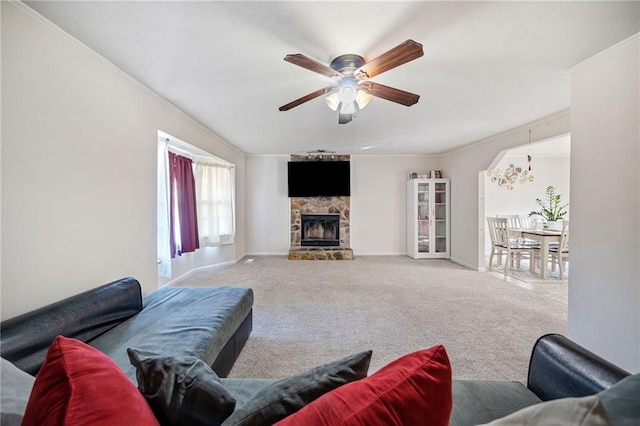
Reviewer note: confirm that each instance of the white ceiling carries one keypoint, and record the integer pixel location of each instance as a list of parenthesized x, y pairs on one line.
[(488, 66)]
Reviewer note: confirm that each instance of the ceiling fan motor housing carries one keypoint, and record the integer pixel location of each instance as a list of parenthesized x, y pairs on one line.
[(347, 64)]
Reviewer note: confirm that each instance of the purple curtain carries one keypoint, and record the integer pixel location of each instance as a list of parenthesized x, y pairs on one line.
[(183, 193)]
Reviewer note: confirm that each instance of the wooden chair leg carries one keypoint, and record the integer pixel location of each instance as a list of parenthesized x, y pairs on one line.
[(561, 263), (507, 261)]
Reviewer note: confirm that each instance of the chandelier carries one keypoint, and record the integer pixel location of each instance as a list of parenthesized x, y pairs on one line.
[(512, 174)]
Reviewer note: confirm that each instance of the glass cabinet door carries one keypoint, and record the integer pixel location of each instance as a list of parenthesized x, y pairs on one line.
[(424, 213), (440, 209)]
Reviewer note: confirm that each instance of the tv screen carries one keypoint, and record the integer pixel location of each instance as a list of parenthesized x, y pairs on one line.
[(319, 178)]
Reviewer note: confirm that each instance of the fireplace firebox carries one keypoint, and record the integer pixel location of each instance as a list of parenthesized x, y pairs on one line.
[(320, 230)]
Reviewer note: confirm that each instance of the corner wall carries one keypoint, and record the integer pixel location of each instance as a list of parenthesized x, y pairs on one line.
[(604, 289), (79, 167)]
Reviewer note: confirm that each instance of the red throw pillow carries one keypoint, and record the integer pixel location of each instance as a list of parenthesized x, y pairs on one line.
[(412, 390), (79, 385)]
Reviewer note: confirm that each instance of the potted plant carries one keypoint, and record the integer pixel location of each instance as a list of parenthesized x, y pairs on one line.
[(552, 209)]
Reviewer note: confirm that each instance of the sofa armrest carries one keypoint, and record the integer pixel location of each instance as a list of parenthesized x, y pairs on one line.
[(560, 368), (24, 339)]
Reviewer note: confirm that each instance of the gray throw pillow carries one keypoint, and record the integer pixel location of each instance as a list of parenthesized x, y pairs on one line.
[(277, 400), (14, 393), (585, 411), (622, 401), (181, 390)]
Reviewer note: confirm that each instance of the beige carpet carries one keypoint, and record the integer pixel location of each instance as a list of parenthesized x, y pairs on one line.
[(310, 312)]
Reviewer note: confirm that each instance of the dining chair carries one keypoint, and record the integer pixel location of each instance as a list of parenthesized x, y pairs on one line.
[(513, 220), (559, 253), (526, 222), (516, 223), (503, 243), (513, 224)]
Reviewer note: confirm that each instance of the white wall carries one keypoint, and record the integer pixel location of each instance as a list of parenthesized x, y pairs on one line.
[(268, 221), (79, 167), (604, 289), (463, 166), (522, 198), (378, 203)]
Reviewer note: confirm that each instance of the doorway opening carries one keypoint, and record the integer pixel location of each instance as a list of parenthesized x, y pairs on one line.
[(550, 166)]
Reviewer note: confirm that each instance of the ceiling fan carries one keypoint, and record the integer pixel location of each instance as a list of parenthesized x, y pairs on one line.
[(353, 89)]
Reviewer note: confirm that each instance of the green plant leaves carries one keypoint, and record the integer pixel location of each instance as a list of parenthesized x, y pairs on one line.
[(552, 207)]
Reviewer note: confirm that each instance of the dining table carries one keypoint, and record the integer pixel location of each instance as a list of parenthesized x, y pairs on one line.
[(544, 237)]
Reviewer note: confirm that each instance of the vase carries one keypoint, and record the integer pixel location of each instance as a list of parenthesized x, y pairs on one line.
[(554, 224)]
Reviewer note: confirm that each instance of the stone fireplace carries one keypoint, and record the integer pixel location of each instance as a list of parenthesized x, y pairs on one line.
[(320, 225)]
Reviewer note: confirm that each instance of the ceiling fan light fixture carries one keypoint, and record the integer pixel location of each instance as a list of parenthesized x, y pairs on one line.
[(348, 108), (347, 91), (362, 99), (332, 101)]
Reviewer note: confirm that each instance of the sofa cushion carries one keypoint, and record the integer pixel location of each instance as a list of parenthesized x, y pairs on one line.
[(622, 401), (412, 390), (181, 390), (14, 393), (276, 400), (195, 321), (478, 401), (584, 411), (79, 385)]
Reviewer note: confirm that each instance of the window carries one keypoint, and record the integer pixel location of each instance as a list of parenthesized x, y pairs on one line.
[(196, 199)]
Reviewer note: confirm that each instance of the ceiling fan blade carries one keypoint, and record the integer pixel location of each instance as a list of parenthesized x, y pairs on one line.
[(389, 93), (401, 54), (306, 98), (312, 65)]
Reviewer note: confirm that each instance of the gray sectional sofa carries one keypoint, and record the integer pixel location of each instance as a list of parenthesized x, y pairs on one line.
[(210, 323), (558, 368)]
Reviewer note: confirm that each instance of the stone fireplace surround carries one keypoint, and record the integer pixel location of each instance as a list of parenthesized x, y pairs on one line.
[(320, 205)]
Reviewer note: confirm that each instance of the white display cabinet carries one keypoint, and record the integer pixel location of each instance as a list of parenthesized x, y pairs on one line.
[(428, 216)]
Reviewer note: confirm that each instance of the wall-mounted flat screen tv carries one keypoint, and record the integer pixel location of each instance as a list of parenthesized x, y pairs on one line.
[(319, 178)]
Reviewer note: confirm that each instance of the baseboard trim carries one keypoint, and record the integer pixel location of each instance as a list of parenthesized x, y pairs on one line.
[(384, 253), (268, 253), (468, 265), (200, 268)]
